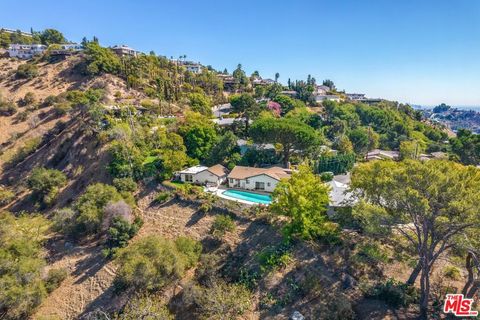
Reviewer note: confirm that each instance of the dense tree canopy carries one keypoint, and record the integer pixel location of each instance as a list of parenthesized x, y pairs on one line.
[(294, 136), (467, 147)]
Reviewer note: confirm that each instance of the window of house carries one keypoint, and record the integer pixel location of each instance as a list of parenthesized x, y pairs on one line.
[(247, 181), (188, 178), (268, 184)]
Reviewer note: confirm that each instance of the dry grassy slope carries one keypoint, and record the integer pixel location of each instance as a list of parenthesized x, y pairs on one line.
[(78, 155), (53, 79)]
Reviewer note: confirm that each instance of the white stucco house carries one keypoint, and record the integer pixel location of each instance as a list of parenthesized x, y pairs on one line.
[(194, 68), (330, 97), (26, 51), (215, 175), (259, 179)]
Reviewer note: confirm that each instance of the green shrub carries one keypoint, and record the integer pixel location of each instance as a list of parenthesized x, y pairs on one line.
[(153, 262), (218, 301), (371, 253), (27, 149), (64, 220), (54, 278), (326, 176), (62, 108), (90, 207), (125, 184), (162, 197), (21, 264), (6, 195), (26, 71), (146, 307), (275, 257), (50, 101), (119, 233), (46, 183), (452, 272), (21, 116), (394, 293), (7, 108), (28, 99), (221, 225)]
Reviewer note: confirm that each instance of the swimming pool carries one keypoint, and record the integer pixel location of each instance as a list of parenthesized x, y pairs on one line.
[(248, 196)]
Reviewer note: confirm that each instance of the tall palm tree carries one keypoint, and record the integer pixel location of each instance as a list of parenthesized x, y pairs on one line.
[(277, 75)]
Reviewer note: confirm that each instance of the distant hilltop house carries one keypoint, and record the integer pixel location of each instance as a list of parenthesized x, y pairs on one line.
[(258, 81), (259, 179), (378, 154), (355, 96), (66, 49), (229, 82), (321, 90), (124, 51), (330, 97), (194, 68), (26, 51), (290, 93), (215, 175)]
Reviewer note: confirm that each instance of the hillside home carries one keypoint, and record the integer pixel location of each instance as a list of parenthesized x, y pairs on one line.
[(215, 175), (378, 154), (194, 68), (321, 90), (124, 51), (257, 179), (330, 97), (26, 51), (340, 194), (67, 49), (355, 96)]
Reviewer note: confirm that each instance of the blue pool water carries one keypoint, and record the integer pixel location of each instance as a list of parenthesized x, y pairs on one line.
[(249, 196)]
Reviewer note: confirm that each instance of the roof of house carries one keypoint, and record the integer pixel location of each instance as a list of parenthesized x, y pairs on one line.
[(194, 170), (218, 170), (339, 192), (240, 172), (383, 154)]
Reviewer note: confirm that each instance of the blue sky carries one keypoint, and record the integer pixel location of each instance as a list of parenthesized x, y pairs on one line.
[(416, 51)]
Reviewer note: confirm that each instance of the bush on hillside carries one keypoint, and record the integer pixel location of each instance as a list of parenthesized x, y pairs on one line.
[(26, 71), (145, 306), (220, 300), (119, 233), (29, 99), (396, 294), (221, 225), (153, 262), (45, 183), (125, 184), (90, 207), (22, 287), (7, 108), (6, 195), (55, 277), (27, 149)]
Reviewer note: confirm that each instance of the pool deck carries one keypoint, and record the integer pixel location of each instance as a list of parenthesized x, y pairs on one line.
[(221, 189)]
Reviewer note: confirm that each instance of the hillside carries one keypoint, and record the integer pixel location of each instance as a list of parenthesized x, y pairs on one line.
[(90, 144)]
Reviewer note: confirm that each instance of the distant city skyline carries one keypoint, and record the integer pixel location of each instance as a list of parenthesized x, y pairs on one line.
[(418, 52)]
